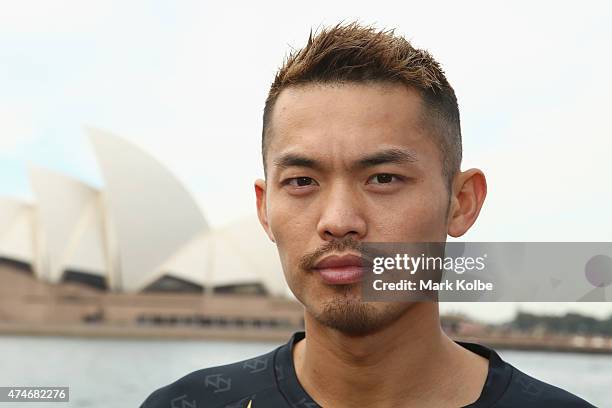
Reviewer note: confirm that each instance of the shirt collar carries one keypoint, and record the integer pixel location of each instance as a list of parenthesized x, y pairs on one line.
[(498, 376)]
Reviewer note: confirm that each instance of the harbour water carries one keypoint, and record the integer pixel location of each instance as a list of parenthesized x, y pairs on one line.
[(103, 373)]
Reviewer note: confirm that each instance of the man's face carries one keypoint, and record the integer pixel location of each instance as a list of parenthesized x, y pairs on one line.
[(348, 163)]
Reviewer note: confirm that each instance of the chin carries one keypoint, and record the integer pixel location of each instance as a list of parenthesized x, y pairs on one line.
[(348, 315)]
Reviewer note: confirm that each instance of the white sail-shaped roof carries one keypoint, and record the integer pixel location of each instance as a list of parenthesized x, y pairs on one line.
[(238, 253), (250, 242), (209, 260), (17, 236), (70, 218), (151, 213)]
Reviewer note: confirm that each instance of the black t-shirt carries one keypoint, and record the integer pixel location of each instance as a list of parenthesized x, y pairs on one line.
[(269, 381)]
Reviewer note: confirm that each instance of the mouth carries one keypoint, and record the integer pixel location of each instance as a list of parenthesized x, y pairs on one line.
[(340, 269)]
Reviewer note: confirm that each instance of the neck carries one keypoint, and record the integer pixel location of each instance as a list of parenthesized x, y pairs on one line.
[(410, 361)]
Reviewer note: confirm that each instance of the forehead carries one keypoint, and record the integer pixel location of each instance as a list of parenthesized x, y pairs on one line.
[(345, 118)]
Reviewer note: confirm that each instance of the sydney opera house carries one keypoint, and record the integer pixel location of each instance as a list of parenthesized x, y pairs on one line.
[(136, 256)]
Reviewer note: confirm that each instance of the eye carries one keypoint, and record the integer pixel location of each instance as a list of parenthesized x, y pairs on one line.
[(300, 181), (383, 178)]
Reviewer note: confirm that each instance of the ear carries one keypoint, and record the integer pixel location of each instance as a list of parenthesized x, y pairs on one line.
[(262, 210), (469, 192)]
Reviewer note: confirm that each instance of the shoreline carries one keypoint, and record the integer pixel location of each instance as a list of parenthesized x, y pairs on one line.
[(557, 344)]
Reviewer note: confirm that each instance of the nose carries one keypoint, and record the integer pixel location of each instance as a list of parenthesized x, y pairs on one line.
[(341, 215)]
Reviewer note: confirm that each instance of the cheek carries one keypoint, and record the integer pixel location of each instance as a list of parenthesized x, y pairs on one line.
[(292, 229), (418, 216), (430, 218), (287, 226), (291, 219)]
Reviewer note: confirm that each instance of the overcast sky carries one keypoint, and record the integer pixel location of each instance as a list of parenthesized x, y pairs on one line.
[(186, 81)]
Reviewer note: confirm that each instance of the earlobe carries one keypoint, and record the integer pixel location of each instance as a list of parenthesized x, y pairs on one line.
[(469, 192), (262, 211)]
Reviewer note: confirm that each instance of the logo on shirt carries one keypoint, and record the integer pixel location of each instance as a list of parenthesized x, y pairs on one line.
[(182, 402), (256, 365), (217, 382)]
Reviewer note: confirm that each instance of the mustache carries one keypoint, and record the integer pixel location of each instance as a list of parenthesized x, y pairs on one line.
[(309, 260)]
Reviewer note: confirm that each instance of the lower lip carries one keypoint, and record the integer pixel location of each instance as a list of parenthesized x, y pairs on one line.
[(341, 275)]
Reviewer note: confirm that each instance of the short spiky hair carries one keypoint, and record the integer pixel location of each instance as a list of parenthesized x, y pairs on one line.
[(352, 53)]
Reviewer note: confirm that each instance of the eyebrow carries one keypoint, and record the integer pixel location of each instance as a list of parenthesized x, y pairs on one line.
[(392, 156), (296, 160)]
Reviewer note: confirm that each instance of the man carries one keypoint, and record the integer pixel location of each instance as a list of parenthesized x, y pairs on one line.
[(361, 143)]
